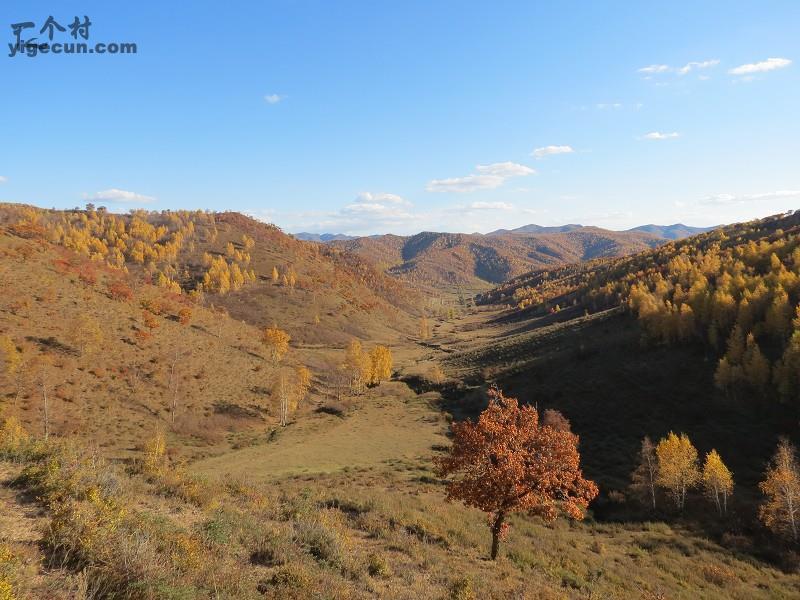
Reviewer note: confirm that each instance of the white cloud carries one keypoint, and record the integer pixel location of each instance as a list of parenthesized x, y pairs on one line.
[(486, 177), (505, 170), (273, 98), (705, 64), (687, 68), (654, 69), (470, 183), (761, 67), (540, 153), (657, 135), (491, 206), (121, 196), (381, 198), (3, 179), (732, 199)]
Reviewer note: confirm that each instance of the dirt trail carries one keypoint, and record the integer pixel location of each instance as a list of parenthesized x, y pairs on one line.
[(20, 519)]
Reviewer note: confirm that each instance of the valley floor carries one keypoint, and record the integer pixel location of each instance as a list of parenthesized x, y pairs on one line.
[(347, 506)]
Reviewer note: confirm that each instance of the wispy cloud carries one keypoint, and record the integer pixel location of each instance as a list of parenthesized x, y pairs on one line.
[(685, 69), (540, 153), (651, 69), (491, 206), (658, 135), (771, 64), (3, 179), (731, 199), (506, 170), (382, 198), (469, 183), (273, 98), (119, 196), (486, 177)]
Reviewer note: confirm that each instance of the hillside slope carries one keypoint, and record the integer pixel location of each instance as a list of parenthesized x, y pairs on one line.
[(108, 352), (700, 335), (474, 261)]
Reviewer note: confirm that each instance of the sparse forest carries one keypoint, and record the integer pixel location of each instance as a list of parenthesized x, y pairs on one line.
[(195, 404)]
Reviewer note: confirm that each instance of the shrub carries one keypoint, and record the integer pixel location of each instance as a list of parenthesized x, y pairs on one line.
[(120, 291), (14, 440), (718, 575), (462, 589), (291, 581), (8, 567), (378, 566), (321, 542)]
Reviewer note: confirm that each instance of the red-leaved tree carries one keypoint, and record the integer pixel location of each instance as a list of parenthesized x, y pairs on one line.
[(507, 462)]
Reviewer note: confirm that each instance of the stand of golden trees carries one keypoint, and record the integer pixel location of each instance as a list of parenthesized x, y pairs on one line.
[(364, 368), (736, 290), (151, 240)]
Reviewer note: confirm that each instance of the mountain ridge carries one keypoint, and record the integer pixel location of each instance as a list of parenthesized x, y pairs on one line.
[(671, 232)]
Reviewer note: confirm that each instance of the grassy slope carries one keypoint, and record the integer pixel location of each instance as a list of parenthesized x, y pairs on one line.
[(117, 392), (393, 427), (366, 478), (440, 260)]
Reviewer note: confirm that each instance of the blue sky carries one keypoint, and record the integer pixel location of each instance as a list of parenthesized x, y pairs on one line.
[(374, 117)]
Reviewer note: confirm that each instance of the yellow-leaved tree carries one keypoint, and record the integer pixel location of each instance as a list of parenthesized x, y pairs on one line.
[(380, 364), (302, 377), (424, 328), (357, 366), (11, 357), (677, 466), (717, 481), (276, 341), (284, 390), (781, 509)]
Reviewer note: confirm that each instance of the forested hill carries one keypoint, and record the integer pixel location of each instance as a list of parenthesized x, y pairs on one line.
[(437, 260), (250, 269), (735, 290)]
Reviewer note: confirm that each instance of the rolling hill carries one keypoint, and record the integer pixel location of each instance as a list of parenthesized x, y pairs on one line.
[(648, 343), (142, 455), (473, 261), (672, 232)]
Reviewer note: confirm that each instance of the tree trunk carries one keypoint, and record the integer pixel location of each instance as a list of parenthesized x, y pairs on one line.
[(497, 528), (46, 415), (653, 492)]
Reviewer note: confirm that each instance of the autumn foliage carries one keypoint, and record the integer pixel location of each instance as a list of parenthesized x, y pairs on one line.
[(508, 462), (677, 466), (276, 342), (781, 510)]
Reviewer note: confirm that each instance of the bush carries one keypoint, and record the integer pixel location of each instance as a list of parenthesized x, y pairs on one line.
[(462, 589), (289, 580), (718, 575), (320, 542), (15, 442), (378, 566)]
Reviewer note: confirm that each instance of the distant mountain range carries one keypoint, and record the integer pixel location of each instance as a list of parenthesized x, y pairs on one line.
[(672, 232), (538, 229), (473, 260), (668, 232), (322, 237)]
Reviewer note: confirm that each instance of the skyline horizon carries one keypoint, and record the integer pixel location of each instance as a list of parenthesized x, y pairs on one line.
[(324, 119), (507, 228)]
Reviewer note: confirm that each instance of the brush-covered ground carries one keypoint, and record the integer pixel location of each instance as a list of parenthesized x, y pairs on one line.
[(166, 475), (350, 525)]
